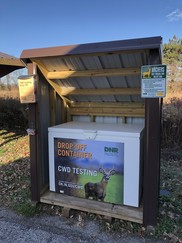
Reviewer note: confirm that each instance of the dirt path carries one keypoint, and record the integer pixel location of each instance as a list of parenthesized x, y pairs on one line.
[(44, 229)]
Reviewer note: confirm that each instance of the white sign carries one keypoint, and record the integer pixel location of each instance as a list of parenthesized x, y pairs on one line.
[(153, 81)]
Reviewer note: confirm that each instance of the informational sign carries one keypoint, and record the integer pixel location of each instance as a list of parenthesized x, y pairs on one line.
[(89, 169), (27, 89), (153, 81)]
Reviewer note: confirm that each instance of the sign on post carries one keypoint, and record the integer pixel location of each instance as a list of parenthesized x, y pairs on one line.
[(27, 89), (153, 81)]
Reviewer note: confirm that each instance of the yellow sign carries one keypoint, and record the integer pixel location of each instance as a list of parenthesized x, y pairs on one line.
[(27, 89)]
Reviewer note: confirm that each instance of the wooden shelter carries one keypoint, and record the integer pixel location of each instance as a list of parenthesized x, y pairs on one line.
[(98, 82), (9, 64)]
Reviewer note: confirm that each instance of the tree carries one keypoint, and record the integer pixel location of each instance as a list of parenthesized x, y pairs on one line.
[(172, 52), (11, 79), (172, 57), (175, 41)]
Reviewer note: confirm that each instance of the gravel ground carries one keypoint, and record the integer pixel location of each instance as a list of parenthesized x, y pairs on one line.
[(16, 228)]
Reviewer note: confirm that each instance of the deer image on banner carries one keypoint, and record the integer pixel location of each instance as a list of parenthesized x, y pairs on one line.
[(98, 190)]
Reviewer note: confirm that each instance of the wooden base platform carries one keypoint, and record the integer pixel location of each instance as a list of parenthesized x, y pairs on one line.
[(115, 211)]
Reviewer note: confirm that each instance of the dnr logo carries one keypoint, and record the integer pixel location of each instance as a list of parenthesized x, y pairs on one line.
[(110, 150)]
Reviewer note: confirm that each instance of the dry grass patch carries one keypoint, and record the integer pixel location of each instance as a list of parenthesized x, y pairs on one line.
[(9, 93)]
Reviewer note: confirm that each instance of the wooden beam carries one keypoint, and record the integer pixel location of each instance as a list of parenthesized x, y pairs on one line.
[(52, 98), (93, 73), (93, 109), (11, 62), (56, 87), (34, 152), (116, 211), (107, 112), (123, 119), (53, 84), (109, 91), (152, 153), (107, 104)]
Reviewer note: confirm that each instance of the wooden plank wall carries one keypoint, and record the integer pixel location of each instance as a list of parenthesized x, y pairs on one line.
[(94, 109)]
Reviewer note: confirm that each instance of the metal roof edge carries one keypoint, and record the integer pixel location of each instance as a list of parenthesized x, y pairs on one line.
[(12, 62), (9, 64), (99, 47), (4, 55), (9, 60)]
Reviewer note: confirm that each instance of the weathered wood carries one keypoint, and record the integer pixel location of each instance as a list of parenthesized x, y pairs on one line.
[(123, 119), (126, 112), (107, 209), (93, 73), (93, 109), (34, 165), (64, 110), (108, 219), (52, 107), (152, 153), (107, 104), (108, 110), (11, 62), (92, 118), (66, 212), (54, 85), (108, 91)]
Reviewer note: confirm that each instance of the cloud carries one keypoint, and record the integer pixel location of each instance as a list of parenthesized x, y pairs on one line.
[(175, 15)]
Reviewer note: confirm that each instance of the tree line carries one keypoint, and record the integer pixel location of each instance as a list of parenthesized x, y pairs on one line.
[(172, 51)]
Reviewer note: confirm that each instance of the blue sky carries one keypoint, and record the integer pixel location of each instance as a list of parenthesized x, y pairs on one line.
[(45, 23)]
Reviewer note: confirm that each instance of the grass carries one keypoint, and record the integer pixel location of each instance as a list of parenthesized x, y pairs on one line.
[(14, 169), (15, 190), (13, 146), (2, 152), (13, 92), (15, 182), (170, 211), (115, 184)]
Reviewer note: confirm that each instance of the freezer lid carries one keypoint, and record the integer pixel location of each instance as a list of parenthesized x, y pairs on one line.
[(127, 130)]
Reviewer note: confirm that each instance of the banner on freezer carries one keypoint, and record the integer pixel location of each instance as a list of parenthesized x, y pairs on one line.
[(89, 169)]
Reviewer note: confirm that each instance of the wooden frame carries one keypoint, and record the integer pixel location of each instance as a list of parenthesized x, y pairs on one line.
[(152, 152), (151, 111), (115, 211)]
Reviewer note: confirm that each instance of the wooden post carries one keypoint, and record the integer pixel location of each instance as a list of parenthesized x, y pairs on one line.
[(33, 124), (52, 107), (152, 153)]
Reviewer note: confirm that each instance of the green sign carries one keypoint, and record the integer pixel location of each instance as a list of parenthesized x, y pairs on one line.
[(153, 81)]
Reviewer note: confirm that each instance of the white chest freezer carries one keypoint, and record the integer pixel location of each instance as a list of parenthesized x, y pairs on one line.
[(97, 161)]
